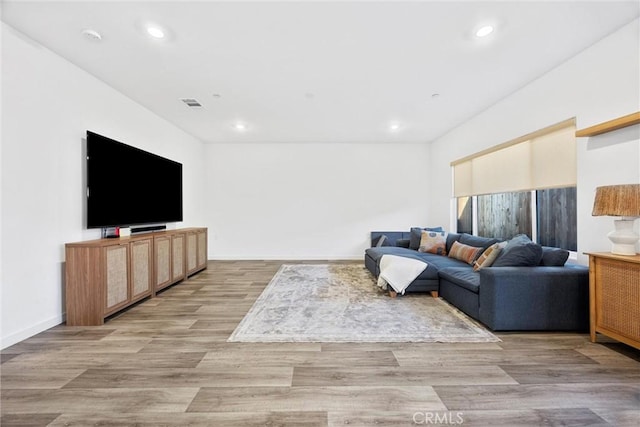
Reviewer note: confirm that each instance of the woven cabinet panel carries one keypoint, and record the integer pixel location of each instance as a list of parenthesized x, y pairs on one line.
[(140, 267), (202, 248), (620, 297), (178, 256), (117, 283), (192, 248), (163, 260)]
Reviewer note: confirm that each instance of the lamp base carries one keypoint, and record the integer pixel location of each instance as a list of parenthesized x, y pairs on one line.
[(624, 239)]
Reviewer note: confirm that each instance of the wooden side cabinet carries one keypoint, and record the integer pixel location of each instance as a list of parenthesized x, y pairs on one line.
[(105, 276), (614, 297)]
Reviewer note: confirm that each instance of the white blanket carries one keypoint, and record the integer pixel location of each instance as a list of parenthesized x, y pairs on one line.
[(398, 272)]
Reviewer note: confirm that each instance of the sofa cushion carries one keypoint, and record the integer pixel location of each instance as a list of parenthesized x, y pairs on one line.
[(376, 254), (519, 252), (452, 237), (462, 276), (416, 234), (402, 243), (488, 257), (433, 242), (440, 261), (553, 257), (477, 241), (434, 262), (464, 252)]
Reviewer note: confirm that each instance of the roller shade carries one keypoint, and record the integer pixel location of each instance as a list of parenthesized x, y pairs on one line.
[(543, 159)]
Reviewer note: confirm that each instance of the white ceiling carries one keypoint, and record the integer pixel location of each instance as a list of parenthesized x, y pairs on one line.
[(297, 71)]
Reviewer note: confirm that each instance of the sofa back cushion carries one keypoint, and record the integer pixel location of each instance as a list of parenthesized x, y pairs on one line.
[(477, 241), (381, 240), (452, 237), (464, 252), (391, 237), (416, 234), (433, 242)]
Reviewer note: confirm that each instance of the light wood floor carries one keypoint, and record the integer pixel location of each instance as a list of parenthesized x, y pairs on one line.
[(166, 362)]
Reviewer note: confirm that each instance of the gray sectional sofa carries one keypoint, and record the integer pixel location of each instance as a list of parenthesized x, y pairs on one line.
[(504, 298)]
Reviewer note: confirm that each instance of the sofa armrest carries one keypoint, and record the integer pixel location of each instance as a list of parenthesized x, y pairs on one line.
[(535, 298), (402, 243)]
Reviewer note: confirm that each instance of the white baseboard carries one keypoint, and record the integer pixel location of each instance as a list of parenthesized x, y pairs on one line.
[(16, 337)]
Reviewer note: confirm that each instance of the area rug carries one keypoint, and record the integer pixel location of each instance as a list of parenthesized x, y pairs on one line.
[(341, 303)]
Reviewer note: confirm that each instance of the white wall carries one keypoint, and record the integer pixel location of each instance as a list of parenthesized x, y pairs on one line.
[(311, 200), (599, 84), (47, 106)]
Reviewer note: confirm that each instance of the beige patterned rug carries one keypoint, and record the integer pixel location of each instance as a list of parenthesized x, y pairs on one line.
[(341, 303)]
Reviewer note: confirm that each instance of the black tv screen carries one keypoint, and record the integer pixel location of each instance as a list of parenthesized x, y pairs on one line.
[(129, 186)]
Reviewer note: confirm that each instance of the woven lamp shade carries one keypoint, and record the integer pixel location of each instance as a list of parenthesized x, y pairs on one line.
[(617, 200)]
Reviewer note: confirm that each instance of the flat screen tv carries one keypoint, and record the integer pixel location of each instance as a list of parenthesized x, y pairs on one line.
[(129, 186)]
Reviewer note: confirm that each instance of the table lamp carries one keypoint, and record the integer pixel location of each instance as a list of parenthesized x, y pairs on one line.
[(622, 201)]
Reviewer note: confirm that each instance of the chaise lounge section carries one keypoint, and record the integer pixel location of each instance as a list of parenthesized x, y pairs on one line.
[(548, 296)]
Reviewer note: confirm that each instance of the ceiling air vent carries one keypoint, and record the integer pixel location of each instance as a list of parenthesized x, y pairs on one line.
[(191, 102)]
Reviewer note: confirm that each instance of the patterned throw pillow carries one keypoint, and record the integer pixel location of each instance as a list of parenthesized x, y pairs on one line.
[(464, 252), (487, 257), (415, 234), (433, 242)]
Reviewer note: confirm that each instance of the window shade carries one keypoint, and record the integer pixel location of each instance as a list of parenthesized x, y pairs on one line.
[(542, 159)]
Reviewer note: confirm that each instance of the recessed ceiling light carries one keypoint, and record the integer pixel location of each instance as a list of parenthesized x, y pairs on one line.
[(240, 127), (394, 127), (92, 35), (155, 32), (484, 31)]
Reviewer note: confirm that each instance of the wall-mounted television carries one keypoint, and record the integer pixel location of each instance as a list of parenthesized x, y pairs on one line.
[(129, 186)]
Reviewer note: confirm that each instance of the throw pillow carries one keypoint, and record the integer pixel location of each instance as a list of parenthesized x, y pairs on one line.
[(464, 252), (553, 257), (415, 235), (488, 257), (519, 239), (433, 242), (519, 252)]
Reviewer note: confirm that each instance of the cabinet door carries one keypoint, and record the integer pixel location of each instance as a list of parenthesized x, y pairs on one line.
[(117, 277), (141, 268), (192, 252), (178, 258), (617, 294), (202, 249), (162, 255)]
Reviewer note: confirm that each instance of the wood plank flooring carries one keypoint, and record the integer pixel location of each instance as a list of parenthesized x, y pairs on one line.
[(166, 362)]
